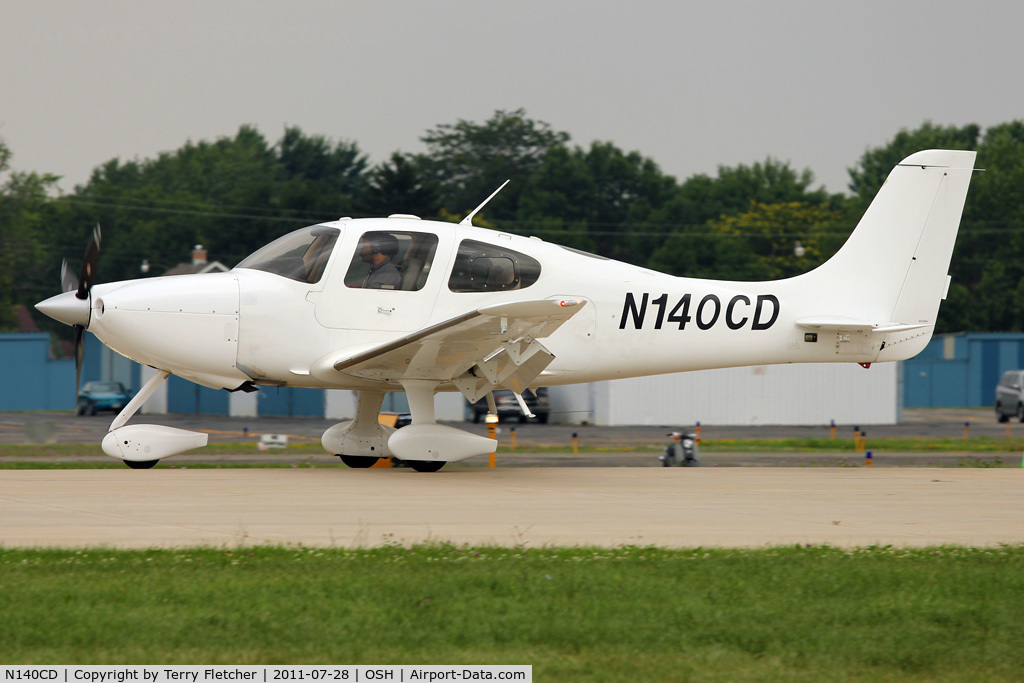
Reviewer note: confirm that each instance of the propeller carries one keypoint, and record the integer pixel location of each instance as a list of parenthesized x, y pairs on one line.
[(87, 275), (71, 310), (83, 282), (86, 279)]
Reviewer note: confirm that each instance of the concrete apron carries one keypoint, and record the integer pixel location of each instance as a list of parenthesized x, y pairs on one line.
[(529, 507)]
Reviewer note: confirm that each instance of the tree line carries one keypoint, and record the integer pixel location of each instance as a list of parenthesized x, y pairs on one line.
[(764, 220)]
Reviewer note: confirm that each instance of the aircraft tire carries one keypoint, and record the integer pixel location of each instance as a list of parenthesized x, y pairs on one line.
[(425, 465), (140, 464), (359, 462)]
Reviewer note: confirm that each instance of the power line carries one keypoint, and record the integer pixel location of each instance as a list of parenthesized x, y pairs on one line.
[(197, 212), (624, 229)]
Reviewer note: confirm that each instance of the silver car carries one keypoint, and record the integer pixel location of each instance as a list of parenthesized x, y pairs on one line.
[(1010, 396)]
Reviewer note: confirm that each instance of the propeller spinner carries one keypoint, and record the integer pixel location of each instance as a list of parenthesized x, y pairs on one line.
[(74, 306)]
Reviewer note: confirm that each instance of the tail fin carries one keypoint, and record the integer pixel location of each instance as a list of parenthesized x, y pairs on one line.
[(892, 273)]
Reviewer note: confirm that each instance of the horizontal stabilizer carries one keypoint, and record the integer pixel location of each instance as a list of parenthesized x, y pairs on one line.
[(835, 322)]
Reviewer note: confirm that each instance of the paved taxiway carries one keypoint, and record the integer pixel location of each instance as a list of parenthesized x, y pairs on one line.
[(532, 507)]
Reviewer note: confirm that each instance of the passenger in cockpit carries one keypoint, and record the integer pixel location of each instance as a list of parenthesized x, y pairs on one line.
[(378, 252)]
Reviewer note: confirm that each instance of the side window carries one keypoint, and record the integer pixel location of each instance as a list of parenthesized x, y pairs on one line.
[(482, 267), (388, 259)]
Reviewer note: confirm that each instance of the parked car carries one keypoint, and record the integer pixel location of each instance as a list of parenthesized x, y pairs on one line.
[(508, 406), (96, 396), (1010, 396)]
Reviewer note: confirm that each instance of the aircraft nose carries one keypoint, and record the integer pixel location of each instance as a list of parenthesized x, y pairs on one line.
[(67, 308)]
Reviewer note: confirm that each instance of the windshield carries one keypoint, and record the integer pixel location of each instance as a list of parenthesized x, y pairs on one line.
[(301, 255)]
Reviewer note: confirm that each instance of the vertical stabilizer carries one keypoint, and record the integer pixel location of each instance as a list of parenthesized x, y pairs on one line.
[(893, 268)]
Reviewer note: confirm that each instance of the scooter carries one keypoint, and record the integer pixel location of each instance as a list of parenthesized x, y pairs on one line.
[(682, 452)]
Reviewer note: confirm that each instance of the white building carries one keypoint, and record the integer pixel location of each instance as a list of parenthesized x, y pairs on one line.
[(803, 394)]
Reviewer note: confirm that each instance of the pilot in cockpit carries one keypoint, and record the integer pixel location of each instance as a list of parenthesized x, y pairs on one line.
[(378, 252)]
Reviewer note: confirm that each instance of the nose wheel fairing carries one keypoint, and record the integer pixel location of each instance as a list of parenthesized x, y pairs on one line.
[(140, 446)]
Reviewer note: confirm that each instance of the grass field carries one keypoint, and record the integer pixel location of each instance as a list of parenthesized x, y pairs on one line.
[(629, 614), (917, 444)]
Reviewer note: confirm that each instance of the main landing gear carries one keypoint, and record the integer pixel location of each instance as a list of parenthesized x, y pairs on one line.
[(359, 462), (140, 464), (424, 445), (424, 465)]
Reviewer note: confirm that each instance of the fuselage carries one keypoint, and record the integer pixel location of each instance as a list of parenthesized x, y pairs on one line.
[(269, 320)]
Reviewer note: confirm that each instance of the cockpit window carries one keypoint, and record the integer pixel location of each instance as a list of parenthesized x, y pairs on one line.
[(301, 255), (391, 259), (481, 267)]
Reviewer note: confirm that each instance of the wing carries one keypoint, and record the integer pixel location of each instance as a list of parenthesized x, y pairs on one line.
[(476, 351)]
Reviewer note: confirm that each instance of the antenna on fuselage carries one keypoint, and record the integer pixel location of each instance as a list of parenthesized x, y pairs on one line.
[(468, 220)]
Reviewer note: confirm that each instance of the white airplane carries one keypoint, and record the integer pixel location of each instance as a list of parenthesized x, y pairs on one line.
[(402, 304)]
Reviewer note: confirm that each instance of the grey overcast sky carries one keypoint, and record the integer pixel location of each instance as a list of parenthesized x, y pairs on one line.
[(692, 85)]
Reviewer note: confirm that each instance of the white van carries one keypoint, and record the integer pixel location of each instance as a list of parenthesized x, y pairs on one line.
[(1010, 396)]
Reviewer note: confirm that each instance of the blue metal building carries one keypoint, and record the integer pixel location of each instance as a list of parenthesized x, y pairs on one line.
[(961, 370), (30, 378)]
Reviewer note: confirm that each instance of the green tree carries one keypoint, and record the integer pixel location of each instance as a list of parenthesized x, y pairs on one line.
[(467, 161), (873, 167), (399, 186), (697, 247), (759, 244), (600, 198), (989, 255), (735, 188), (24, 244), (987, 268), (232, 195), (556, 203), (319, 176)]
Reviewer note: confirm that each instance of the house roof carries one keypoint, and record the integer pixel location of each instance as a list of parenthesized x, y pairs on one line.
[(194, 268), (23, 318)]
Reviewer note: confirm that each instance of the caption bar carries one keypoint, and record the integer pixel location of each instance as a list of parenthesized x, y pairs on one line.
[(261, 674)]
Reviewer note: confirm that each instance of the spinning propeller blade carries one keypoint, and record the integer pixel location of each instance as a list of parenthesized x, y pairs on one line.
[(79, 357), (87, 276), (68, 280)]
